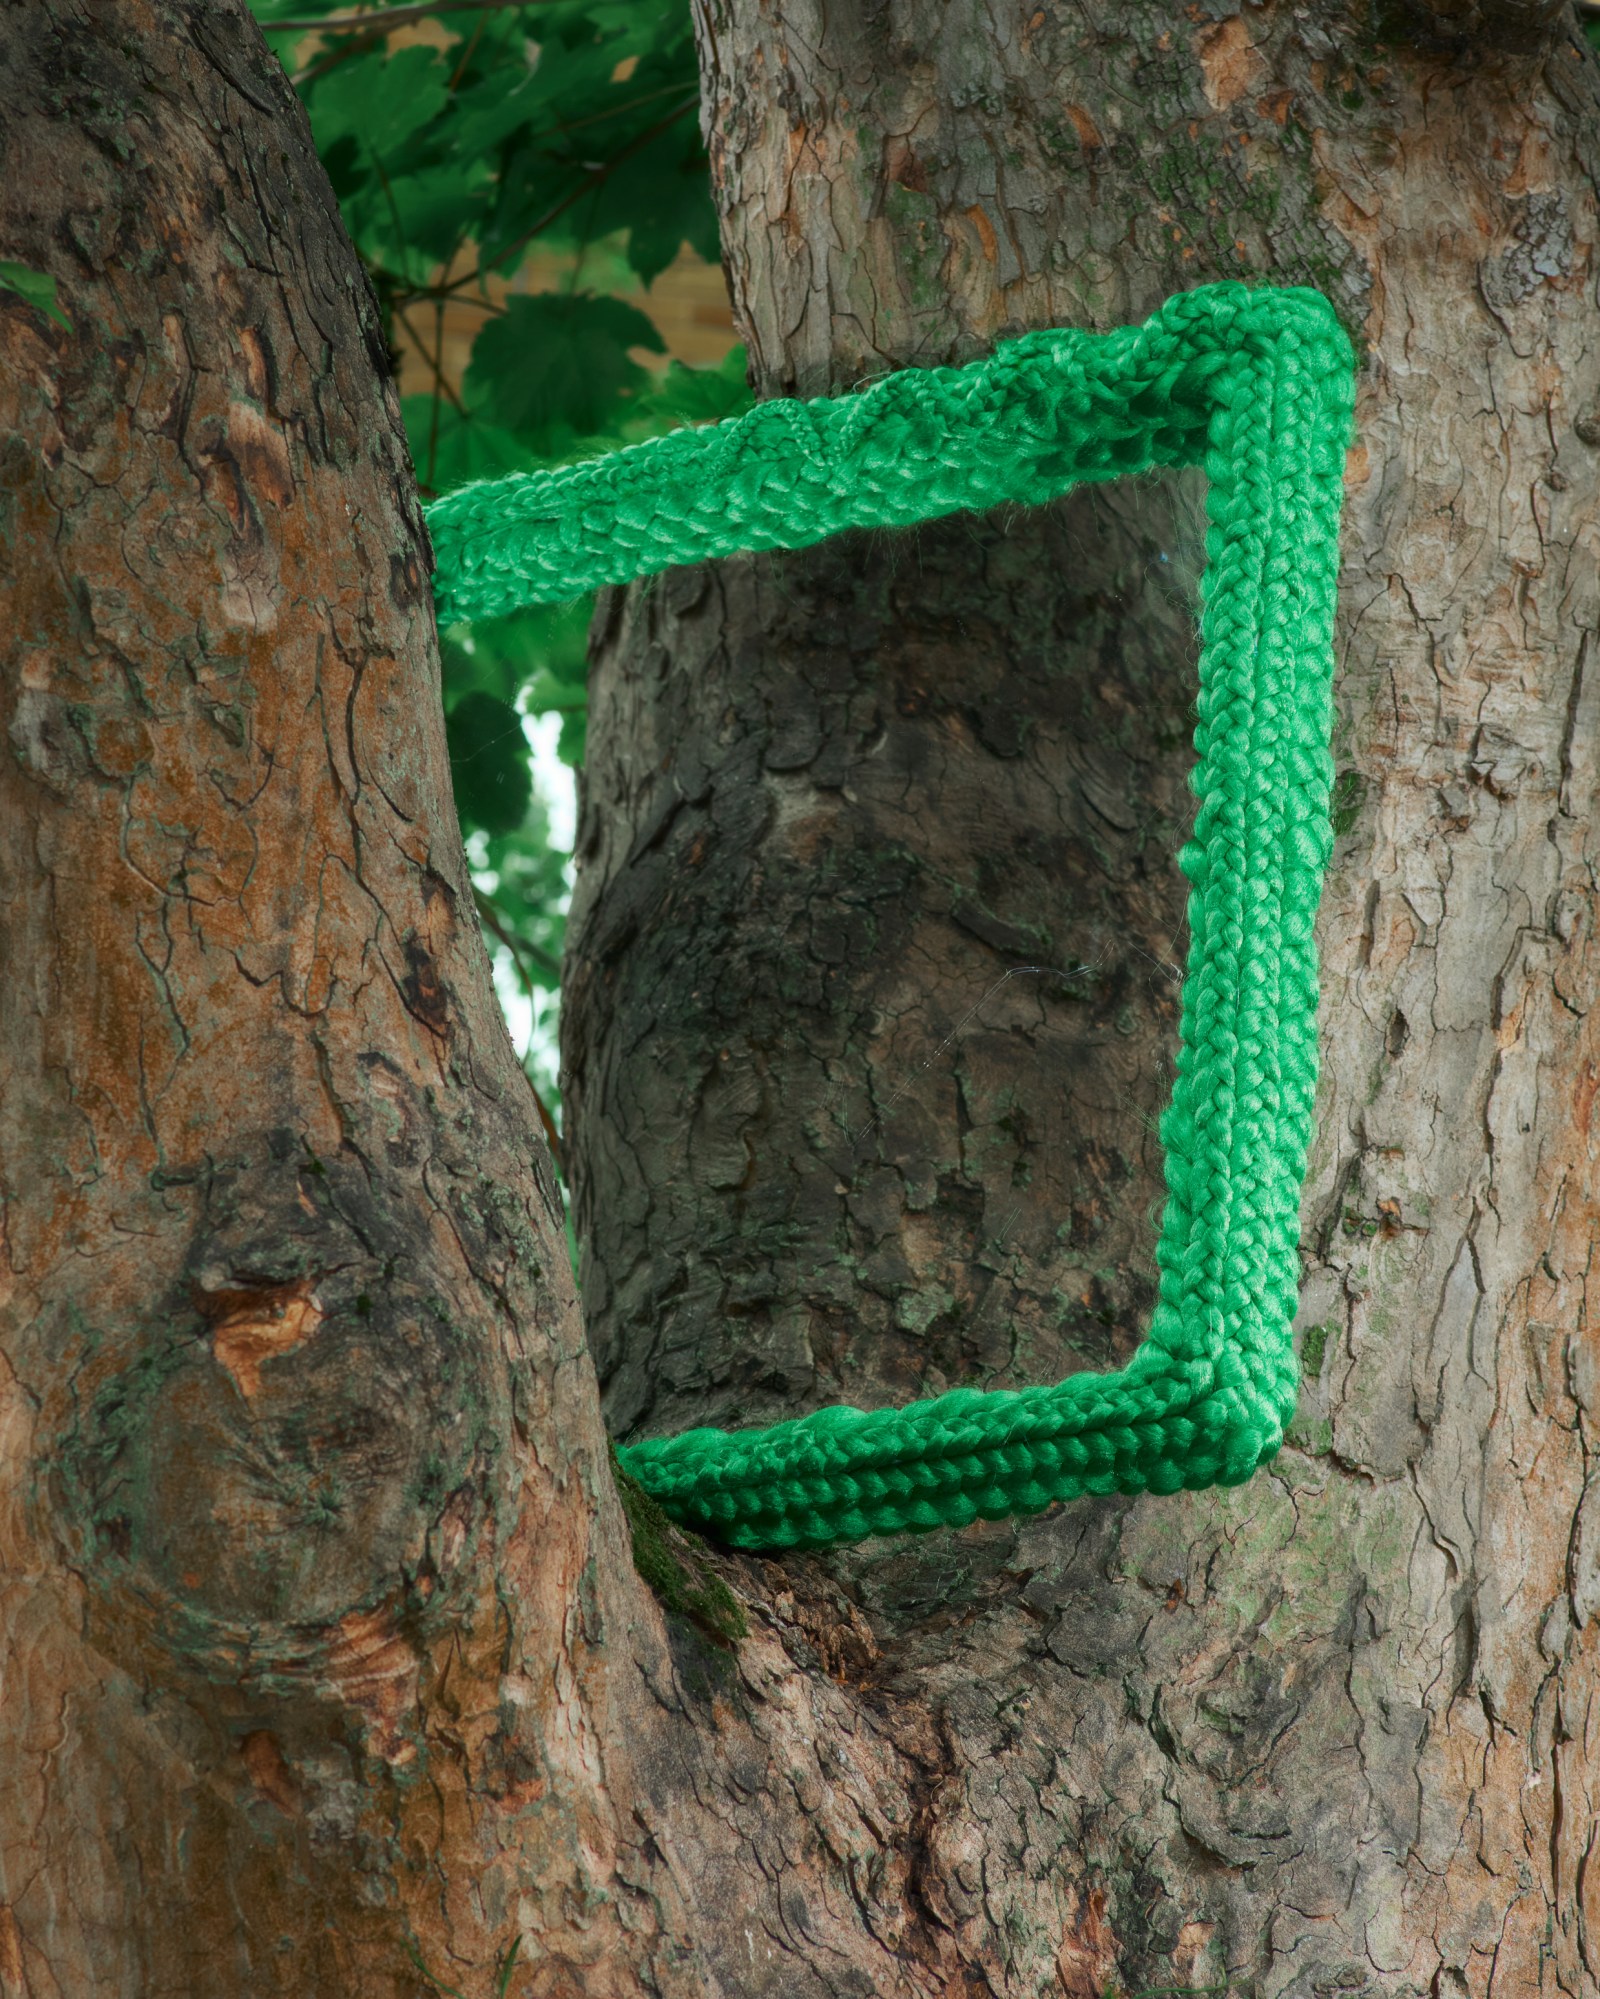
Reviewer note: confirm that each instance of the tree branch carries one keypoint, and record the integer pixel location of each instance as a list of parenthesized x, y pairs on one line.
[(515, 945), (379, 20)]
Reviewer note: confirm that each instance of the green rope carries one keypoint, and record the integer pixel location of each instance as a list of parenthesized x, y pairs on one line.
[(1258, 385)]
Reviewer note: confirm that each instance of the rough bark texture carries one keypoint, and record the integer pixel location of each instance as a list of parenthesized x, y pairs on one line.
[(314, 1590), (1335, 1731)]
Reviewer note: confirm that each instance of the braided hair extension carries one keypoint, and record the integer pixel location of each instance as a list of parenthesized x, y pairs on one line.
[(1258, 385)]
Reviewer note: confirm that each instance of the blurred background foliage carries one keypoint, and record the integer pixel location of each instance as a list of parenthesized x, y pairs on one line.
[(526, 187)]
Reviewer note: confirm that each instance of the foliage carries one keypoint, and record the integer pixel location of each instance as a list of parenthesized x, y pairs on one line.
[(567, 127)]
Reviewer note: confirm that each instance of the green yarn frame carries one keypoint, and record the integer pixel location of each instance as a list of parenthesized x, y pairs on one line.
[(1258, 385)]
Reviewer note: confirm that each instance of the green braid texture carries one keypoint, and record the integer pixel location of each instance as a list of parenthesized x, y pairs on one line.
[(1258, 385)]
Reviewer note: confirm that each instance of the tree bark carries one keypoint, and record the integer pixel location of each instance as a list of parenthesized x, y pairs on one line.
[(315, 1598), (870, 1012)]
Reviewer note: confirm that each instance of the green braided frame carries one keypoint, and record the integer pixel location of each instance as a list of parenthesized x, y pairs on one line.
[(1258, 385)]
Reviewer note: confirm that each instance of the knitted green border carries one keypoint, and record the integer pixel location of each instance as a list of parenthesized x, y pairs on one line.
[(1258, 385)]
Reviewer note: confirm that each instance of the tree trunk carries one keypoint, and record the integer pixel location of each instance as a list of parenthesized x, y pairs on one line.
[(315, 1599), (323, 1659), (871, 1008)]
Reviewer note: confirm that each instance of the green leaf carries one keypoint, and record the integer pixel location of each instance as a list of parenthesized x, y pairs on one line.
[(268, 11), (467, 672), (573, 739), (556, 365), (700, 395), (627, 18), (38, 288), (543, 648), (465, 447), (486, 114), (433, 212), (588, 121), (488, 763), (380, 102), (662, 196)]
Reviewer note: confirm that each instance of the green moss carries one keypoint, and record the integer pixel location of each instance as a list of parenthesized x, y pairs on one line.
[(1313, 1344), (703, 1598), (1349, 795), (1315, 1438), (920, 241)]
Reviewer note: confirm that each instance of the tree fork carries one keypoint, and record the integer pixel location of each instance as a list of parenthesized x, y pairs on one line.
[(1324, 1734), (288, 1328)]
